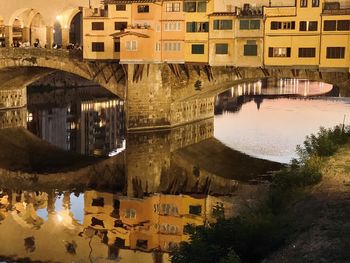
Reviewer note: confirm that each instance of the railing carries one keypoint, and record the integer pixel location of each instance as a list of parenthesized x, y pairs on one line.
[(336, 11), (41, 52)]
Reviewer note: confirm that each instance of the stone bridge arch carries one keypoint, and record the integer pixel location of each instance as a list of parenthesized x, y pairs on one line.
[(109, 75)]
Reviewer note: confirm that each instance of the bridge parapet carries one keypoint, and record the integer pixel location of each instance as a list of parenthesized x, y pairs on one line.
[(15, 98)]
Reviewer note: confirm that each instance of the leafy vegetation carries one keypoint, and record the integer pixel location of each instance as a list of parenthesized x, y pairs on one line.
[(254, 234)]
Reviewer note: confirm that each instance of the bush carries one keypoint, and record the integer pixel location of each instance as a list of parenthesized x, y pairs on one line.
[(255, 234)]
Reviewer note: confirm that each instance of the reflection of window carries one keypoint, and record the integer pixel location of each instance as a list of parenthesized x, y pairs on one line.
[(143, 8), (197, 49), (195, 209), (141, 243), (222, 24), (98, 46), (307, 52), (131, 45), (130, 213), (250, 48), (97, 25), (197, 27), (335, 52), (173, 7), (221, 49), (279, 52), (249, 24), (98, 202)]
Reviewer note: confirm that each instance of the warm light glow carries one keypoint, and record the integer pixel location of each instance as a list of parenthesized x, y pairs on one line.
[(59, 218)]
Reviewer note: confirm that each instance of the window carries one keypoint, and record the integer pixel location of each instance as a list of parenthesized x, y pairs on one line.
[(98, 46), (335, 52), (308, 25), (98, 202), (330, 25), (141, 243), (172, 26), (195, 209), (97, 26), (307, 52), (120, 7), (143, 9), (221, 49), (249, 24), (197, 27), (173, 7), (279, 52), (197, 49), (190, 6), (131, 45), (222, 24), (303, 3), (275, 25), (157, 47), (343, 25), (120, 25), (116, 46), (250, 48), (200, 6), (130, 213), (172, 46), (315, 3)]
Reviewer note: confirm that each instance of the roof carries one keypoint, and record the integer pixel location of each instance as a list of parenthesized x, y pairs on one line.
[(128, 33)]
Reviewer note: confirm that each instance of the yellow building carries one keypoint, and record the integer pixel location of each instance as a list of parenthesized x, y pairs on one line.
[(310, 34)]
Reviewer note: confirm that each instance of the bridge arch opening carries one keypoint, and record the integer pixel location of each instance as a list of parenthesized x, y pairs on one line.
[(76, 28)]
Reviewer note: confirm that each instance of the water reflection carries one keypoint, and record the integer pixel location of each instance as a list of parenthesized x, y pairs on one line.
[(85, 120), (270, 126), (100, 227)]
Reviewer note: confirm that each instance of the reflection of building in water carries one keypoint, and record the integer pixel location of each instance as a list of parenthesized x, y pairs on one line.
[(13, 118), (74, 120), (156, 222), (113, 226), (100, 126), (233, 99)]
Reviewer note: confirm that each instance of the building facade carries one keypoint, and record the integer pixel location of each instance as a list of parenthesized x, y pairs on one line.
[(301, 33)]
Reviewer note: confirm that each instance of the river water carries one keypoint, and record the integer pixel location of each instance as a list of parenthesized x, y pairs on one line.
[(133, 195)]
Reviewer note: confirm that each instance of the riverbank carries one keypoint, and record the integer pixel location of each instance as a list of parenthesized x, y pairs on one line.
[(322, 217)]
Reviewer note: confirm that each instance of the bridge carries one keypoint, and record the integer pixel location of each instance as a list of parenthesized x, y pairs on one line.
[(156, 95)]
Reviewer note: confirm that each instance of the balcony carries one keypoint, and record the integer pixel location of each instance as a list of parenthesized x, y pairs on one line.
[(250, 12), (334, 8)]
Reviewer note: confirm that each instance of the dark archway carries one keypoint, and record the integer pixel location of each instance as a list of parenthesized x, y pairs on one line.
[(76, 29)]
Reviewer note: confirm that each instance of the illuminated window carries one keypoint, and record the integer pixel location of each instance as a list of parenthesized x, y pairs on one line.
[(280, 52)]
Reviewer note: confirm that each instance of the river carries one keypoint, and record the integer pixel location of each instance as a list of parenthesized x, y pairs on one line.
[(82, 190)]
